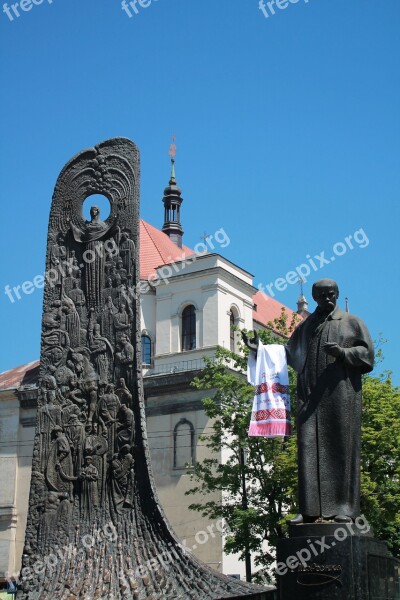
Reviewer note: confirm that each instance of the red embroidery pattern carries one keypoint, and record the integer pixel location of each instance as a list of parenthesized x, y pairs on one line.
[(265, 387), (274, 413)]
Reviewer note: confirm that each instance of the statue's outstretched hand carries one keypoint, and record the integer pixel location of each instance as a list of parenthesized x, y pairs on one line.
[(251, 343), (333, 349)]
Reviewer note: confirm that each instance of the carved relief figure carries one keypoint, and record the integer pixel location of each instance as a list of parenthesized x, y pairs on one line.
[(78, 298), (48, 526), (123, 393), (96, 446), (92, 235), (63, 375), (49, 417), (101, 352), (125, 435), (124, 359), (59, 466), (123, 274), (75, 396), (72, 321), (87, 380), (75, 433), (53, 335), (73, 269), (127, 253), (108, 412), (90, 493), (107, 319), (122, 479), (121, 322), (57, 258)]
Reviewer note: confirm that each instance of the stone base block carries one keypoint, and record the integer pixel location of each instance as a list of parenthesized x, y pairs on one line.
[(327, 564)]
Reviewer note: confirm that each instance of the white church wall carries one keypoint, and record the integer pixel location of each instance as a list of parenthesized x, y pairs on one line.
[(9, 424), (196, 532)]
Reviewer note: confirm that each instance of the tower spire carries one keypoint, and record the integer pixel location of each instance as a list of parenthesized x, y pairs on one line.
[(172, 203), (302, 304), (172, 153)]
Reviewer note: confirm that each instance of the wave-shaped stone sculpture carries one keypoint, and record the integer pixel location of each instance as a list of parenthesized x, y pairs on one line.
[(95, 528)]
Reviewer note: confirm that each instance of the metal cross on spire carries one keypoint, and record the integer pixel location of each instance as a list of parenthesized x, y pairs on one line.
[(301, 282), (172, 153)]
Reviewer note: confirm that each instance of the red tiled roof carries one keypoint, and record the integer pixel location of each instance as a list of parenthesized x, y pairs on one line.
[(269, 309), (156, 249), (23, 375)]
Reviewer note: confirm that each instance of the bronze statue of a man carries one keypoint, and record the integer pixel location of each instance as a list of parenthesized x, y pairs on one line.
[(330, 350)]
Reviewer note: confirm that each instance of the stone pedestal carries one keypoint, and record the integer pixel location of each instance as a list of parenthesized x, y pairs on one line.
[(335, 562)]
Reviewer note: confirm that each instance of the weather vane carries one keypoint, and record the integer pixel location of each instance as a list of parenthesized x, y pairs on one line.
[(172, 148)]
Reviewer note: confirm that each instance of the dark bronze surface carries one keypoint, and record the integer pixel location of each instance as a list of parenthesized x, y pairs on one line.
[(330, 351), (95, 526)]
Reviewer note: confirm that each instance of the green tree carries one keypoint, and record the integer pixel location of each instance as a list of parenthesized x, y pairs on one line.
[(255, 520), (268, 468), (380, 459)]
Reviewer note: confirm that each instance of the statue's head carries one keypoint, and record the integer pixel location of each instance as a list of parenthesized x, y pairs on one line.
[(57, 431), (94, 211), (125, 450), (57, 354), (325, 293)]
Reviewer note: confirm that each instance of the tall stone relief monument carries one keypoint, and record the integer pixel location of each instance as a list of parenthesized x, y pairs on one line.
[(95, 527)]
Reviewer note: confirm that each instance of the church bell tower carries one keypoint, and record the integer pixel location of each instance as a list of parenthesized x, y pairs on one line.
[(172, 204)]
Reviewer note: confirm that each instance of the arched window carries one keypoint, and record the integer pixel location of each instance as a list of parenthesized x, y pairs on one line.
[(232, 320), (189, 328), (183, 444), (147, 350)]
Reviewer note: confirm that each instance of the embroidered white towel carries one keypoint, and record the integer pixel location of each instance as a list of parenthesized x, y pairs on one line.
[(271, 407)]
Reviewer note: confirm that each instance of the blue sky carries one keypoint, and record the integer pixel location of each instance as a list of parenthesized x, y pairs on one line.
[(287, 132)]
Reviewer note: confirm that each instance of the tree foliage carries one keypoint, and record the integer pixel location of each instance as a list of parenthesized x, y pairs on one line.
[(380, 459), (256, 521)]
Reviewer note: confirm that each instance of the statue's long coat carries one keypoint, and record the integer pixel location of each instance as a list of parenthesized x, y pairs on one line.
[(329, 411)]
